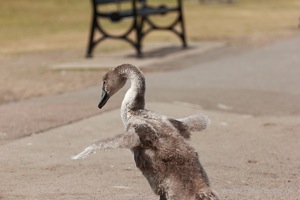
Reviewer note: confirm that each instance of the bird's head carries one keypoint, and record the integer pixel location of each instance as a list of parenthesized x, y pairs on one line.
[(112, 82)]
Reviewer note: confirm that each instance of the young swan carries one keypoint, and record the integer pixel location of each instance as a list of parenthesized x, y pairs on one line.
[(158, 143)]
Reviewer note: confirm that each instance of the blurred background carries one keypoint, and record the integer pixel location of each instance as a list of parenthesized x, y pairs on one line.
[(35, 34)]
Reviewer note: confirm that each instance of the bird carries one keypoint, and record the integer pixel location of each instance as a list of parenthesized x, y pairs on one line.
[(159, 143)]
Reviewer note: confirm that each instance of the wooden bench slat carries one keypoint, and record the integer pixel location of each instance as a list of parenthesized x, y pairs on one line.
[(116, 16), (109, 1)]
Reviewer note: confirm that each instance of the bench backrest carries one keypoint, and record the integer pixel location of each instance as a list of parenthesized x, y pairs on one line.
[(115, 1)]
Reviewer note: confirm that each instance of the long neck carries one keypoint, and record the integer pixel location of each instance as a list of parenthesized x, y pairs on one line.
[(135, 96)]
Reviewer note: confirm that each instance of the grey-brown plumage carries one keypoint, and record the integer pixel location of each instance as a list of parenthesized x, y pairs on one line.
[(161, 151)]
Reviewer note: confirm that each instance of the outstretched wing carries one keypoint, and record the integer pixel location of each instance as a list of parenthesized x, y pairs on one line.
[(128, 140)]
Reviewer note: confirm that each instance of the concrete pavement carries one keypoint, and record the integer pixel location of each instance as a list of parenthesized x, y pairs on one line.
[(250, 151)]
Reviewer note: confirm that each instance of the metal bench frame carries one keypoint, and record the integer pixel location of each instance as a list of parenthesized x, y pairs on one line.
[(139, 13)]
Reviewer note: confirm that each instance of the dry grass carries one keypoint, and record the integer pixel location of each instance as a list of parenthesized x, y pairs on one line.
[(33, 25), (246, 21)]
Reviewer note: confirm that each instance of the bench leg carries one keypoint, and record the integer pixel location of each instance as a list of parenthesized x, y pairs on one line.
[(184, 44), (91, 39), (139, 36), (183, 36), (181, 19)]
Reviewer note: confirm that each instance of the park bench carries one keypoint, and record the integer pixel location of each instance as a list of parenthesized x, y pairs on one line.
[(139, 11)]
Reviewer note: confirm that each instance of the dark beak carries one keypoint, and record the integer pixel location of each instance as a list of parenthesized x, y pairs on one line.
[(104, 99)]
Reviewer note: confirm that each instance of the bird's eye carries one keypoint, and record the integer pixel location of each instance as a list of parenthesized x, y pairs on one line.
[(104, 85)]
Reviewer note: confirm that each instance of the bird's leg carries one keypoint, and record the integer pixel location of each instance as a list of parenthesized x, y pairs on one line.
[(125, 140), (163, 197)]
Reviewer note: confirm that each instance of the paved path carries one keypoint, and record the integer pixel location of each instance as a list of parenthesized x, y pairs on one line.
[(263, 81), (250, 151)]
